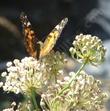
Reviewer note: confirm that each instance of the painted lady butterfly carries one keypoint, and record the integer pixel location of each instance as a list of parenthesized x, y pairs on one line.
[(32, 44)]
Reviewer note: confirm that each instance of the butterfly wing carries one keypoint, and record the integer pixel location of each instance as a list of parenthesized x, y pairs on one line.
[(29, 36), (52, 38)]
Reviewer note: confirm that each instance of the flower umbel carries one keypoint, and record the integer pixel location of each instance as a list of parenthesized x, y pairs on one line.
[(88, 48), (83, 94), (24, 75), (28, 74)]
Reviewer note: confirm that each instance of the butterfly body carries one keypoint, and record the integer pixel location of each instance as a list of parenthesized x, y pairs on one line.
[(47, 46)]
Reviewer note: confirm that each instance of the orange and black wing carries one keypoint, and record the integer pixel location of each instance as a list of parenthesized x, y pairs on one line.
[(29, 36), (52, 38)]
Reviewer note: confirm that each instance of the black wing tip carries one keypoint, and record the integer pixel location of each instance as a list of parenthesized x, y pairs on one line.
[(24, 20), (23, 16), (66, 19)]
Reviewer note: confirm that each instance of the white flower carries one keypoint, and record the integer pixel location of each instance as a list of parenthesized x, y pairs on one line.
[(1, 84), (29, 73), (4, 74), (9, 64), (8, 109), (24, 75), (84, 93)]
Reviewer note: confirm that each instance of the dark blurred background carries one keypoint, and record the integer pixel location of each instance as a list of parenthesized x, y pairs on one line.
[(85, 16)]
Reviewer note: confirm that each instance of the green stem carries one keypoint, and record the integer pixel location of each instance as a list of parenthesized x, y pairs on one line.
[(73, 77), (77, 73), (33, 99)]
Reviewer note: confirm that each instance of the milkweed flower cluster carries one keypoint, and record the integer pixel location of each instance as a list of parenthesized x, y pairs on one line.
[(76, 91), (88, 48), (83, 94), (22, 76)]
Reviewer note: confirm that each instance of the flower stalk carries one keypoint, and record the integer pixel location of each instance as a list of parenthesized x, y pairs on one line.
[(33, 100), (72, 78), (78, 72)]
